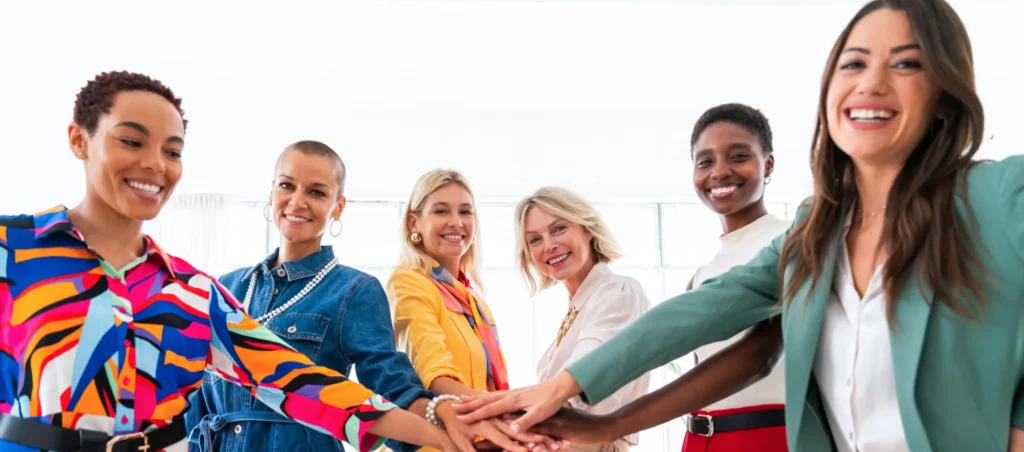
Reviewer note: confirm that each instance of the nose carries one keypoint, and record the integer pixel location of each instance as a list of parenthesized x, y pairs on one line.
[(874, 81), (152, 160), (721, 170)]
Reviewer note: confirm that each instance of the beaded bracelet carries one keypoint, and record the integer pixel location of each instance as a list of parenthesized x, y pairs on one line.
[(432, 407)]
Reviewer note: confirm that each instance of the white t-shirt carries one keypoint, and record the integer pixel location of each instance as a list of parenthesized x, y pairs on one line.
[(607, 303), (738, 248)]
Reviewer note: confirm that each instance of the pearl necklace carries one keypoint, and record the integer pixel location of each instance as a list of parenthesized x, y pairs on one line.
[(302, 293)]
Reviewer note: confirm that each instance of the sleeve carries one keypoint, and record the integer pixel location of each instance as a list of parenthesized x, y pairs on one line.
[(1012, 196), (716, 310), (369, 341), (619, 306), (244, 352), (418, 329)]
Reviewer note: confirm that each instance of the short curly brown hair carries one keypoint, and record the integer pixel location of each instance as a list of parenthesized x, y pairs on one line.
[(97, 96)]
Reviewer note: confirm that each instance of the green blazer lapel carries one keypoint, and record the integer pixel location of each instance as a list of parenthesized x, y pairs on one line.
[(801, 326), (912, 312)]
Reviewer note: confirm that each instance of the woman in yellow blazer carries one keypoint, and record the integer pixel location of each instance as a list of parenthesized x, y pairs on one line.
[(901, 282), (441, 321)]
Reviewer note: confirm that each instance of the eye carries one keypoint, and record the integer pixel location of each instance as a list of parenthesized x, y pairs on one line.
[(851, 65), (285, 185), (318, 193), (704, 163), (534, 240), (908, 64), (741, 156), (560, 228), (466, 212), (130, 142), (441, 211), (174, 154)]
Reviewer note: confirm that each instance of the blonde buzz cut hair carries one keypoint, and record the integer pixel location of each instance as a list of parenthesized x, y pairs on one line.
[(565, 204)]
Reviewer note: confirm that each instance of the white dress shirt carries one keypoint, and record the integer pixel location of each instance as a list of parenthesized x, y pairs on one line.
[(607, 303), (853, 365), (738, 248)]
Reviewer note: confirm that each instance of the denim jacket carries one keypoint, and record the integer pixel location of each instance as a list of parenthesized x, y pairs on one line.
[(344, 321)]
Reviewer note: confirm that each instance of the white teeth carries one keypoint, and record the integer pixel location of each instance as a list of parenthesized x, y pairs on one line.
[(152, 189), (453, 237), (871, 115), (723, 190), (295, 218), (558, 259)]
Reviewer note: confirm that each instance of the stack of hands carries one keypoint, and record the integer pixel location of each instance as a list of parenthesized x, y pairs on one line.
[(534, 418)]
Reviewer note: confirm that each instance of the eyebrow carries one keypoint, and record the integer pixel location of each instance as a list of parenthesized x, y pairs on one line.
[(546, 227), (314, 184), (729, 147), (897, 49), (143, 130)]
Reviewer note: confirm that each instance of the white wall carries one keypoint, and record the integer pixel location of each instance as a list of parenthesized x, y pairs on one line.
[(599, 96)]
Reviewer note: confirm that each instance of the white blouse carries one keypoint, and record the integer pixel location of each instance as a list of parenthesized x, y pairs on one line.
[(607, 303), (738, 248), (853, 365)]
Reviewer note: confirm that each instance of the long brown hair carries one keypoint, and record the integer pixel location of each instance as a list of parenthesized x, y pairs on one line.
[(923, 234)]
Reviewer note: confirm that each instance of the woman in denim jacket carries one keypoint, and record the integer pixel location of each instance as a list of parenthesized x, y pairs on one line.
[(335, 315)]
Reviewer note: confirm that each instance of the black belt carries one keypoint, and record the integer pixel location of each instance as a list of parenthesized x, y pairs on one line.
[(706, 425), (37, 435)]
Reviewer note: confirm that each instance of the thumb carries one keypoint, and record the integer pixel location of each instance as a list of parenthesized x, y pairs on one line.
[(532, 417)]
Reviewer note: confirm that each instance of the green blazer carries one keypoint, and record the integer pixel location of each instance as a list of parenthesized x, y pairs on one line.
[(958, 381)]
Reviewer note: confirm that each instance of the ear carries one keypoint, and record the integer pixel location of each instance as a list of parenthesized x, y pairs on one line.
[(410, 221), (341, 207), (78, 141), (769, 165)]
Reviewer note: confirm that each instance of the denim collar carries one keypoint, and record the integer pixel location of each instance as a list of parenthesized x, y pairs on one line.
[(302, 268)]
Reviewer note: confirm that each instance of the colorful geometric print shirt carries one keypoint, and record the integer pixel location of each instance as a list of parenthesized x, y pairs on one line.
[(87, 346)]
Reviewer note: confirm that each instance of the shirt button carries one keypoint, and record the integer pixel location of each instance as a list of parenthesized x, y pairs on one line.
[(238, 430), (275, 291), (851, 433), (292, 329), (280, 272)]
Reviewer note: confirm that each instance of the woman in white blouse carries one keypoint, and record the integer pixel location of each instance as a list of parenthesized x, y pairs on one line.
[(562, 238)]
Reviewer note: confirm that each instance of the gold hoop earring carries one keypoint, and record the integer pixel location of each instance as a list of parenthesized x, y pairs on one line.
[(416, 238)]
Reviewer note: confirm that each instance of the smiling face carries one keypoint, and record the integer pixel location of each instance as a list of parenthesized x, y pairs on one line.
[(133, 159), (559, 248), (729, 167), (446, 224), (880, 99), (305, 197)]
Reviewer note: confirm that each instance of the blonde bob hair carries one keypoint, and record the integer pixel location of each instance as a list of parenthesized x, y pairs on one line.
[(414, 256), (567, 205)]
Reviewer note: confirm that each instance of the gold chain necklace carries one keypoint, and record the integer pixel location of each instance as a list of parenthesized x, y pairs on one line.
[(567, 322)]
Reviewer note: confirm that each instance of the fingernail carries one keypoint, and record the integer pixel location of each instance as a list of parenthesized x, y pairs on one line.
[(515, 428), (529, 446), (454, 404), (460, 417)]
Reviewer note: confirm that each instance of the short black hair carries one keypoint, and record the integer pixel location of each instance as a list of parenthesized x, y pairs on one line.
[(311, 147), (97, 96), (742, 115)]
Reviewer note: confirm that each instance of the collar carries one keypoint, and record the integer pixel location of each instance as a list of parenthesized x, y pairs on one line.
[(739, 234), (302, 268), (55, 220), (593, 280)]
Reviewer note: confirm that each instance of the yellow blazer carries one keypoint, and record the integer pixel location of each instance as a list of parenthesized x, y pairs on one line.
[(438, 340)]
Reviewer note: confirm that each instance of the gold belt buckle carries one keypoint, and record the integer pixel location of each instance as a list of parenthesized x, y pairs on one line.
[(143, 448)]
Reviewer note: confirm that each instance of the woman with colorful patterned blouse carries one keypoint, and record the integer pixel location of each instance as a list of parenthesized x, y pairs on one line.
[(103, 335)]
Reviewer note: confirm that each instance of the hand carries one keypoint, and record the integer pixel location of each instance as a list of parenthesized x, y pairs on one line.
[(539, 402), (579, 426), (496, 432)]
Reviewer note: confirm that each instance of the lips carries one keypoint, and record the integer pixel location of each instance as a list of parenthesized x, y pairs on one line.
[(297, 218), (451, 237), (558, 259), (723, 191), (145, 188), (870, 117)]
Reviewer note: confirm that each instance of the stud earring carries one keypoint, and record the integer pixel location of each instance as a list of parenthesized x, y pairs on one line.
[(768, 179), (416, 238)]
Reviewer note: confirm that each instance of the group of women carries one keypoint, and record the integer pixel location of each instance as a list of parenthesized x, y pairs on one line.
[(896, 292)]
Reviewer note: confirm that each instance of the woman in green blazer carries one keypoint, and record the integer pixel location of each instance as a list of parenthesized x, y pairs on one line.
[(901, 282)]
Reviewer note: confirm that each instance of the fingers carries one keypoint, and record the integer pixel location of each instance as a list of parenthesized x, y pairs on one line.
[(523, 437), (487, 407), (533, 416), (463, 443), (486, 445), (471, 403), (500, 439)]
